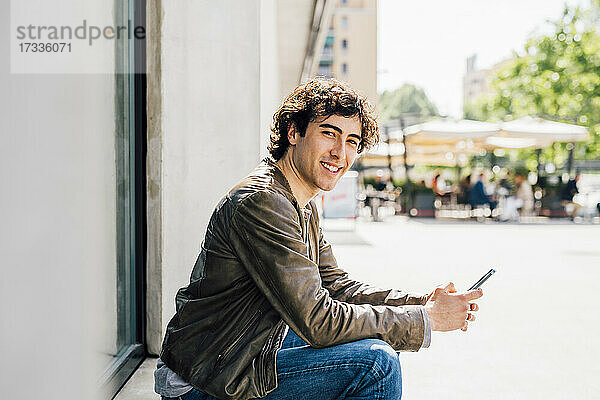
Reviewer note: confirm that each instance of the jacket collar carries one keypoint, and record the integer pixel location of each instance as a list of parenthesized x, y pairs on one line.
[(280, 178)]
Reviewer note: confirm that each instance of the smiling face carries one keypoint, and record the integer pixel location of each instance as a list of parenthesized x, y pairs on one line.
[(326, 151)]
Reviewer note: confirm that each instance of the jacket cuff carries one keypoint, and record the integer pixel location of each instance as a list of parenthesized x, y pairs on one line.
[(400, 298), (411, 339), (427, 333)]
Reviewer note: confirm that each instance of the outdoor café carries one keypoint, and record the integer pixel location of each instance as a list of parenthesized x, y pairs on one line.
[(450, 147)]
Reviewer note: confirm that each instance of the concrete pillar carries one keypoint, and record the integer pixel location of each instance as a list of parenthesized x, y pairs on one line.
[(212, 87)]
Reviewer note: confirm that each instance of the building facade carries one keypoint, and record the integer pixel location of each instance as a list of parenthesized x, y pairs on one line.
[(477, 82), (349, 52)]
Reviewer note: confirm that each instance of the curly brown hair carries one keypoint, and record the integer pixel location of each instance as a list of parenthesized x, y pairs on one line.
[(321, 98)]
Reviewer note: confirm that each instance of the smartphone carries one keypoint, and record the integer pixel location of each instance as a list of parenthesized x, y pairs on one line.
[(484, 278)]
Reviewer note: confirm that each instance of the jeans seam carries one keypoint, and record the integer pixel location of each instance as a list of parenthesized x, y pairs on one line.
[(377, 370), (323, 367), (380, 389)]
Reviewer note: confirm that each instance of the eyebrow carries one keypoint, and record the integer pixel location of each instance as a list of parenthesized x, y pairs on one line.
[(331, 127), (335, 128)]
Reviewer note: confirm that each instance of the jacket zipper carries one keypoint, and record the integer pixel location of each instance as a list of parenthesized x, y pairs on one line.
[(305, 232), (282, 327), (229, 348)]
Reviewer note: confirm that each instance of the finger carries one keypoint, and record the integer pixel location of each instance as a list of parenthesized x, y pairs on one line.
[(439, 291), (474, 307), (449, 288), (470, 317), (465, 327), (473, 294)]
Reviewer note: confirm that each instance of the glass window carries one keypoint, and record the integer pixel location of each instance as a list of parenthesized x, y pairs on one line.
[(344, 22), (344, 68), (344, 44), (121, 320), (324, 70)]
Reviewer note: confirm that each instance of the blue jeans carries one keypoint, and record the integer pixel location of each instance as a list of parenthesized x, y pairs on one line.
[(365, 369)]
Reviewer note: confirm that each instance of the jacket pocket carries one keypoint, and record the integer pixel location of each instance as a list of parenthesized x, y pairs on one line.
[(267, 370), (225, 355)]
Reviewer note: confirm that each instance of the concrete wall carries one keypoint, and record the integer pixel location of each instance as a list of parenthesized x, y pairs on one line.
[(270, 68), (217, 73), (293, 34), (57, 236), (217, 90)]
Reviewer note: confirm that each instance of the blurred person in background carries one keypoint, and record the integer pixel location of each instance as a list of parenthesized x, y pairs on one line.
[(478, 195), (440, 189), (522, 199), (567, 195), (524, 193), (380, 184), (505, 186), (438, 185), (464, 190)]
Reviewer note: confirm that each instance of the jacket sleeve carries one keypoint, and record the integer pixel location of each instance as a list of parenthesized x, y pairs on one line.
[(343, 288), (267, 237)]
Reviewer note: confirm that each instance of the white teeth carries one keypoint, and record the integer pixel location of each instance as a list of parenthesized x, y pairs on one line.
[(331, 168)]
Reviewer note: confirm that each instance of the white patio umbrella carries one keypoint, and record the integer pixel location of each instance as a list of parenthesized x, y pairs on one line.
[(535, 133), (449, 131), (447, 155), (446, 141), (448, 159)]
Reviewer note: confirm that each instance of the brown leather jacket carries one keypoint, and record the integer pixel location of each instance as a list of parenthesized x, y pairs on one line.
[(264, 266)]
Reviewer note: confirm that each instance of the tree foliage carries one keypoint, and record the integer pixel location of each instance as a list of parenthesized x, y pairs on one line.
[(407, 99), (557, 78)]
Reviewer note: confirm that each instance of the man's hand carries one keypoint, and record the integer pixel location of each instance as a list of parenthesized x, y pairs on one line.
[(451, 310), (448, 288)]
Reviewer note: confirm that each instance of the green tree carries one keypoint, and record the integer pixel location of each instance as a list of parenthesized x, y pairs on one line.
[(406, 99), (557, 78)]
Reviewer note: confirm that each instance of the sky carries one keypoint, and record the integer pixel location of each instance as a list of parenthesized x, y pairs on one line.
[(427, 42)]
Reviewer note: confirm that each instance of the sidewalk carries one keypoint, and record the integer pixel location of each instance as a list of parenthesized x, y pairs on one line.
[(141, 385), (535, 336)]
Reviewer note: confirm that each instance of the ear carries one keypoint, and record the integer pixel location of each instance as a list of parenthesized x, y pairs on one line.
[(292, 134)]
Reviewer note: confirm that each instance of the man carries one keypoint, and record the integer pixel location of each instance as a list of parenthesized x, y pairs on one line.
[(268, 313), (524, 193), (464, 190), (522, 199), (567, 195), (478, 195)]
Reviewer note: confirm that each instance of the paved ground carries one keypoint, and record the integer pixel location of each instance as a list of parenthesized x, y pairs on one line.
[(141, 385), (535, 335)]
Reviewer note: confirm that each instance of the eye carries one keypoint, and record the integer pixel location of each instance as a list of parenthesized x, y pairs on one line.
[(329, 133), (353, 142)]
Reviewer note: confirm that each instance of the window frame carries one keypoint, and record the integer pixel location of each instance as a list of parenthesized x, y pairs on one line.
[(131, 124)]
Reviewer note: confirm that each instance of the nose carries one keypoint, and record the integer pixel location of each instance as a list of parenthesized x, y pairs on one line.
[(338, 151)]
